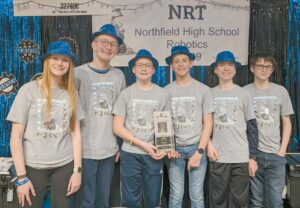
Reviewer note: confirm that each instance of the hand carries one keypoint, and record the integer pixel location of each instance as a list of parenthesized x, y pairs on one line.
[(173, 155), (24, 193), (74, 183), (212, 152), (117, 157), (149, 148), (281, 153), (158, 155), (252, 167), (194, 161)]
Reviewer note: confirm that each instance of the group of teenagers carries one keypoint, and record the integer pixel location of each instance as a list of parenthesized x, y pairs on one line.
[(65, 126)]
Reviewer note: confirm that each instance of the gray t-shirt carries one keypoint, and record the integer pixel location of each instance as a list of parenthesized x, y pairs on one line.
[(269, 105), (188, 104), (233, 108), (45, 144), (137, 107), (98, 93)]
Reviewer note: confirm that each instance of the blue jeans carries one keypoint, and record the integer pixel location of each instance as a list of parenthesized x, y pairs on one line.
[(96, 180), (141, 177), (267, 186), (196, 176)]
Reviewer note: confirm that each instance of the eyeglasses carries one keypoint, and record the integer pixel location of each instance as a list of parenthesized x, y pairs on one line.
[(262, 67), (147, 66), (106, 43)]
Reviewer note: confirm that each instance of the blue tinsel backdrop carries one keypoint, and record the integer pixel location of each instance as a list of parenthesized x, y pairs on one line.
[(17, 34), (274, 28)]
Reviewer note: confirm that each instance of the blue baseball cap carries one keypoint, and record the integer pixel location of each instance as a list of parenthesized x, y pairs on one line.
[(179, 50), (60, 48), (108, 29), (225, 56), (143, 53)]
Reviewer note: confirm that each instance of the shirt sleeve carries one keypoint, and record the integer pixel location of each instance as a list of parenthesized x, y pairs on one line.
[(120, 105), (208, 102), (286, 107), (252, 136), (20, 108)]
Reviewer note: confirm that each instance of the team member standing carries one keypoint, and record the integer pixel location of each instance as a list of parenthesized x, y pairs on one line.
[(45, 138), (192, 107), (99, 85), (272, 105), (141, 163), (234, 142)]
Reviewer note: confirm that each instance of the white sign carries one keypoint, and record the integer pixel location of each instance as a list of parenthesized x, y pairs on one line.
[(206, 27), (61, 7)]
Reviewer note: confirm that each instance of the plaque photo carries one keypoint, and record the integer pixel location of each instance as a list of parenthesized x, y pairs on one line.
[(163, 130)]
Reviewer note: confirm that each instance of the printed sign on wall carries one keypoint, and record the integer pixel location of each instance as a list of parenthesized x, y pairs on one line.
[(61, 7), (206, 27)]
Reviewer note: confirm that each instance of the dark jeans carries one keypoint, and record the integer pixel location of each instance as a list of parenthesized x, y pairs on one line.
[(141, 179), (228, 185), (96, 180), (58, 178), (267, 186)]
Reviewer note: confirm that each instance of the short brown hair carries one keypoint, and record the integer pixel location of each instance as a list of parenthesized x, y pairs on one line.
[(264, 56)]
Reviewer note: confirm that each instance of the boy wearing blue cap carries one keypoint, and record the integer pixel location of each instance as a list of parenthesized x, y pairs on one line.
[(99, 85), (192, 107), (141, 162), (45, 138), (233, 148), (272, 104)]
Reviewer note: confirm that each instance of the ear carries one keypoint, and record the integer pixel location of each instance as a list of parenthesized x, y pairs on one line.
[(93, 45), (171, 67), (252, 69), (215, 71), (191, 63)]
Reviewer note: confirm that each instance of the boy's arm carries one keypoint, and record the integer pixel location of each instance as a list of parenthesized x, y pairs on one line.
[(194, 161), (286, 133), (120, 130), (252, 135)]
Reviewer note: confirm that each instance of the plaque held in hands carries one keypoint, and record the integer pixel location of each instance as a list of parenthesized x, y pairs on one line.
[(163, 131)]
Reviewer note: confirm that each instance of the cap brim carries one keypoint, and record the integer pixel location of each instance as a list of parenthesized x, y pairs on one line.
[(132, 61), (170, 58), (237, 64), (71, 56), (95, 34)]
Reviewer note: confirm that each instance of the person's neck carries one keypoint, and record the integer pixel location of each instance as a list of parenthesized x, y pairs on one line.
[(226, 85), (55, 81), (97, 64), (144, 85), (262, 84), (183, 81)]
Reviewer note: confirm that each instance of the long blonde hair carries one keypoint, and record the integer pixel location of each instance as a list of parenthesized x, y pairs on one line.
[(67, 83)]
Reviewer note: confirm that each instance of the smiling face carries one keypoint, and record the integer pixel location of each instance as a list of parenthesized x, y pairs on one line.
[(143, 69), (225, 71), (262, 69), (58, 65), (181, 64), (105, 47)]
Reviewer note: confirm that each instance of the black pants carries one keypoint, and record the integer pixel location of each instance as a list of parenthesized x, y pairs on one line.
[(228, 185), (57, 178)]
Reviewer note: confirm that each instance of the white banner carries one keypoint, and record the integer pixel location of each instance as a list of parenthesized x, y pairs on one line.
[(206, 27), (61, 7)]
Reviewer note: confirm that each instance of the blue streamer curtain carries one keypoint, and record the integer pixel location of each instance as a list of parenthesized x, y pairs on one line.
[(292, 81), (20, 61)]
